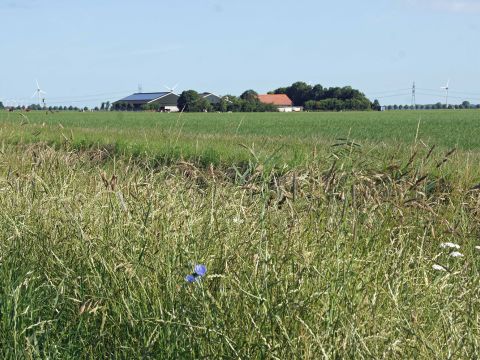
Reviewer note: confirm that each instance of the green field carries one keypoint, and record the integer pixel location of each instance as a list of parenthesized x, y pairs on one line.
[(315, 247), (216, 137)]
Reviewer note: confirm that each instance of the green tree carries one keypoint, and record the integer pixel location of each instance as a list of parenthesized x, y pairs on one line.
[(249, 95), (191, 101), (317, 93), (299, 92), (279, 91), (1, 106), (376, 105)]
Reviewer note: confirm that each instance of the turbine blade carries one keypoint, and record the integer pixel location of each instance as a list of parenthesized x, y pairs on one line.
[(35, 93)]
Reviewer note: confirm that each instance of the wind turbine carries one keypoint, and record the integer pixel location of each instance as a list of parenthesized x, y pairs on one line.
[(171, 89), (39, 92), (446, 92)]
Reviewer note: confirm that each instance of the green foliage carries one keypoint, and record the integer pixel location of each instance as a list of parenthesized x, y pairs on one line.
[(247, 102), (250, 96), (318, 98), (191, 101), (1, 106), (376, 105)]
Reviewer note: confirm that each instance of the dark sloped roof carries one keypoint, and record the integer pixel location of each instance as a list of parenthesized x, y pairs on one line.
[(144, 96)]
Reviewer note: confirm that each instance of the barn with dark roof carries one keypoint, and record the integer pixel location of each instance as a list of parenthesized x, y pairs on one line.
[(163, 101)]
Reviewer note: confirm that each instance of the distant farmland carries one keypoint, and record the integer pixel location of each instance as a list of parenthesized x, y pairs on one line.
[(215, 137)]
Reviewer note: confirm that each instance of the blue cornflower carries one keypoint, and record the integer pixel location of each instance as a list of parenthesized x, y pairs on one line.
[(199, 271), (190, 278)]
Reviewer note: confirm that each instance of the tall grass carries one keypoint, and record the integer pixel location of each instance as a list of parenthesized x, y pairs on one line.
[(332, 259)]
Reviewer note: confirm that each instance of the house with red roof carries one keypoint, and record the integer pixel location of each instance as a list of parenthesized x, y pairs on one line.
[(281, 101)]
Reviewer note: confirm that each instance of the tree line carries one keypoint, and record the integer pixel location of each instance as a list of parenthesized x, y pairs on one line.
[(319, 98), (438, 105)]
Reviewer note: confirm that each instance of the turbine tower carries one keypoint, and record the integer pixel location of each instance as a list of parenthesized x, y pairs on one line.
[(414, 101), (39, 92), (446, 92)]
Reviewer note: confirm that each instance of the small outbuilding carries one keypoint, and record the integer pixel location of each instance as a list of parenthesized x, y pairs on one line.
[(210, 97), (163, 101), (281, 101)]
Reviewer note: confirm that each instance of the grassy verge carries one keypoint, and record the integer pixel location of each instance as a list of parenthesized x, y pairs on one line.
[(334, 258)]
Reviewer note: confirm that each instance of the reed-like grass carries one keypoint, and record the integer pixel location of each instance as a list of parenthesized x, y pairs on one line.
[(331, 259)]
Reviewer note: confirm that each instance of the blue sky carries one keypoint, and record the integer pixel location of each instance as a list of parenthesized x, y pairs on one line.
[(85, 52)]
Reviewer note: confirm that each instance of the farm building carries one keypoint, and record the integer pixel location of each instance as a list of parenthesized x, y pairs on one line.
[(281, 101), (164, 101), (212, 98)]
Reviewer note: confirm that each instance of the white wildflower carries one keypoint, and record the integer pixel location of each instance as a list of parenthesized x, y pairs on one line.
[(237, 220), (456, 254), (438, 267), (477, 247), (449, 245)]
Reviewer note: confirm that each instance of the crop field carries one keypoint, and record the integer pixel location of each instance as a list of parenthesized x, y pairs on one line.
[(216, 138), (333, 235)]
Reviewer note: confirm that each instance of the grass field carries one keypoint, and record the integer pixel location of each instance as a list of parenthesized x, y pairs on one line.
[(318, 251), (215, 138)]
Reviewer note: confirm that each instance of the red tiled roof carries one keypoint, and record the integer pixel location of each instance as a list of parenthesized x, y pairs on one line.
[(276, 99)]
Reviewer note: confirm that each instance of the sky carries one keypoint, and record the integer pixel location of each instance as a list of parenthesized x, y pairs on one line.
[(86, 52)]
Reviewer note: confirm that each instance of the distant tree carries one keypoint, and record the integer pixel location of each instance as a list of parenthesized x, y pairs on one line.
[(400, 107), (376, 105), (299, 93), (107, 105), (1, 106), (317, 92), (282, 90), (191, 101), (389, 107), (96, 108), (222, 105), (102, 107), (478, 106), (85, 108), (466, 104), (70, 108), (249, 95), (395, 107)]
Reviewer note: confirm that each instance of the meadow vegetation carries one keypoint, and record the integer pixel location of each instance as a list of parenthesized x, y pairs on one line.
[(341, 252)]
